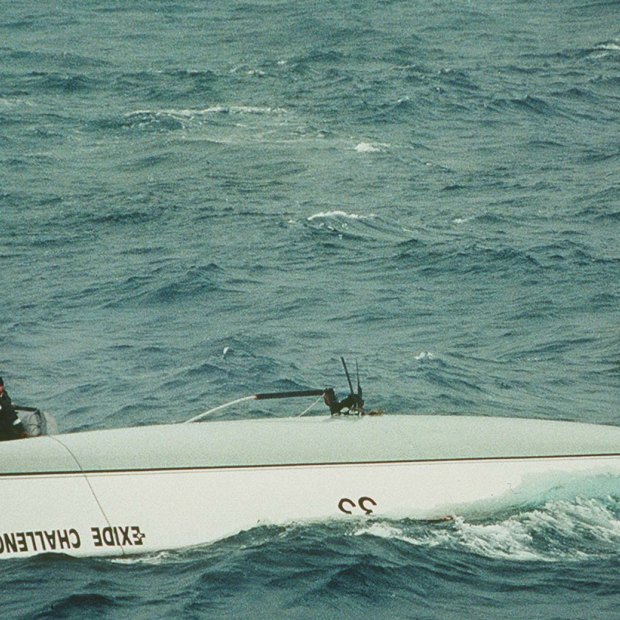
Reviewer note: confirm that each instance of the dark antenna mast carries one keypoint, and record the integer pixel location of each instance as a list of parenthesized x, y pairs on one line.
[(346, 372), (353, 401)]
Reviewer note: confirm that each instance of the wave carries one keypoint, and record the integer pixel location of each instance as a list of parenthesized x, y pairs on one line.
[(216, 109), (172, 119), (446, 256), (62, 59), (175, 84), (611, 46), (76, 604), (604, 50), (349, 225), (368, 147), (560, 530), (339, 215), (528, 104), (75, 83)]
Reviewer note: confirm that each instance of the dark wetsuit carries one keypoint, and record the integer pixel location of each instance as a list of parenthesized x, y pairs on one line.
[(10, 426)]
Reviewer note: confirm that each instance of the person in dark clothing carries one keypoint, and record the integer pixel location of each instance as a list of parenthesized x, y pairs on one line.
[(10, 425)]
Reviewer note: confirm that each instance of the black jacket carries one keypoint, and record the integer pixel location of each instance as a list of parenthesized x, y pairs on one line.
[(10, 426)]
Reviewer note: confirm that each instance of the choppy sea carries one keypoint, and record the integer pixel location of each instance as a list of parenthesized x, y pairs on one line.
[(201, 200)]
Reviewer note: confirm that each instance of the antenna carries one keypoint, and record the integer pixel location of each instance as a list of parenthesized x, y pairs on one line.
[(346, 372), (354, 400)]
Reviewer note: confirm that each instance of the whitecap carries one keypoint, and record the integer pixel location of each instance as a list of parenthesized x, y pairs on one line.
[(611, 47), (189, 113), (380, 529), (152, 559), (560, 530), (367, 147), (339, 215), (510, 539)]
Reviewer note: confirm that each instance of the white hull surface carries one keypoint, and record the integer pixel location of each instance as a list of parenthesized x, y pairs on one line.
[(144, 489)]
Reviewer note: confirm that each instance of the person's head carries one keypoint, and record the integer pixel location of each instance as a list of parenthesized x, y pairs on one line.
[(1, 385)]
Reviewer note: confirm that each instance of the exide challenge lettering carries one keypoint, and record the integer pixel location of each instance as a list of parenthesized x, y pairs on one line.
[(40, 541), (117, 536)]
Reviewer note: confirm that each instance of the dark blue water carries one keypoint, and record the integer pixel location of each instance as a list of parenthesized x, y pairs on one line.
[(429, 188)]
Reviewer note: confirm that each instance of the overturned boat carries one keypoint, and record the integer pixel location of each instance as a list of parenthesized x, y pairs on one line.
[(144, 489)]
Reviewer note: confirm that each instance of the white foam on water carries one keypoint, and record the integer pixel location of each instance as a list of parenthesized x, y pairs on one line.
[(339, 215), (611, 46), (367, 147), (199, 114), (561, 530)]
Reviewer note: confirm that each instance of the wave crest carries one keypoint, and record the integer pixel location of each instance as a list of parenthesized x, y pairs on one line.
[(560, 530)]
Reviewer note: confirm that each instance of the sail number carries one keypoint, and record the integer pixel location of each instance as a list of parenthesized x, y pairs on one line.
[(363, 504)]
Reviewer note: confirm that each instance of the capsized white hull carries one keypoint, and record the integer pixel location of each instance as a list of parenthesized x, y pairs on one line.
[(146, 489)]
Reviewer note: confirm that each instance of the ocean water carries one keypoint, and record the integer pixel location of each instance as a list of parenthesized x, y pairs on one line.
[(202, 200)]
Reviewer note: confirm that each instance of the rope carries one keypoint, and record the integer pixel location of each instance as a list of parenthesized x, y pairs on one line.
[(314, 404)]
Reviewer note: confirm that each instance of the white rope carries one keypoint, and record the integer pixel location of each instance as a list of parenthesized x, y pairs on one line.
[(219, 408), (314, 404)]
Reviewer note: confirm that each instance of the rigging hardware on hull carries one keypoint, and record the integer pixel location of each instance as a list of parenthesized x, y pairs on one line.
[(353, 404)]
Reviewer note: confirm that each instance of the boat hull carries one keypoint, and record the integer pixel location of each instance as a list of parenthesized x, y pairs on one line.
[(89, 511)]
